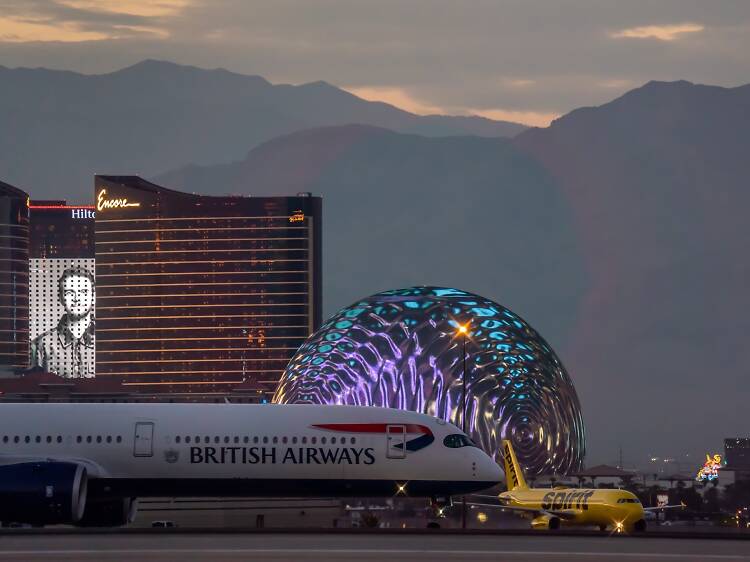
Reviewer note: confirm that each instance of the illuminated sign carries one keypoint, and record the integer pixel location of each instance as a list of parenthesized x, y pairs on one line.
[(710, 470), (82, 214), (297, 216), (103, 203)]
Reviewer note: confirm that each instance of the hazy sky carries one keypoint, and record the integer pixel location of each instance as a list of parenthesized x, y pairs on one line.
[(523, 60)]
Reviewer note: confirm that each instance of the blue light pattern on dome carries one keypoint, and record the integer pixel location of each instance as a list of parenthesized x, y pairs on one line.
[(401, 349)]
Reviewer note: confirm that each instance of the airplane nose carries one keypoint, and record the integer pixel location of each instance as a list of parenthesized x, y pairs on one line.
[(488, 470)]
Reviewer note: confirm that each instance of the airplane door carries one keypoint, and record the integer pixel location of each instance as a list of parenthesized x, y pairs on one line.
[(396, 441), (144, 439)]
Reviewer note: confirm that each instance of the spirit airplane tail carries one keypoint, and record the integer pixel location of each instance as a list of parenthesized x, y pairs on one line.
[(513, 473)]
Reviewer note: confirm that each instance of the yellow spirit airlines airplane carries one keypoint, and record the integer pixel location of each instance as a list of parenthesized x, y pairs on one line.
[(619, 510)]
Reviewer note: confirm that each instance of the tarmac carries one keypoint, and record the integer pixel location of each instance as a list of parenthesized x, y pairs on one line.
[(363, 547)]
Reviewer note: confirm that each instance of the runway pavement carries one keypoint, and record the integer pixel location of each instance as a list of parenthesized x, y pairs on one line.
[(363, 548)]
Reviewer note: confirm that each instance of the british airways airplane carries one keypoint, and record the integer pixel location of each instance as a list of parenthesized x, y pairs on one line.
[(86, 464)]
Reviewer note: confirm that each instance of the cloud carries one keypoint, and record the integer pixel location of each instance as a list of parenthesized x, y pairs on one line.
[(533, 118), (401, 98), (660, 32), (78, 21), (398, 97), (144, 8), (17, 30)]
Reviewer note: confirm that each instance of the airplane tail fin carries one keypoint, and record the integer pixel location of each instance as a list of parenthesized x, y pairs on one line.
[(513, 473)]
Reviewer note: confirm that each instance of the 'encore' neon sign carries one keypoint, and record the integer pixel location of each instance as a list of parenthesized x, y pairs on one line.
[(103, 204)]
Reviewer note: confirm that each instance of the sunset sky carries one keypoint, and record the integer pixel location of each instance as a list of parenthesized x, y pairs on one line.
[(518, 60)]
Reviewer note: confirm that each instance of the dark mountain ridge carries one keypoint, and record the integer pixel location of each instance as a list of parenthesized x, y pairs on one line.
[(57, 128)]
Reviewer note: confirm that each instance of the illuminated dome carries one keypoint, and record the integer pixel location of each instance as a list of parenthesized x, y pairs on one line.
[(402, 349)]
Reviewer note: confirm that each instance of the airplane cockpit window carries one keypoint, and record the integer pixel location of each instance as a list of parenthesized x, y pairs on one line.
[(628, 500), (456, 441)]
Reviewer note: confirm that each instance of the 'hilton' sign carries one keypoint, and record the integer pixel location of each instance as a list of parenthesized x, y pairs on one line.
[(82, 214)]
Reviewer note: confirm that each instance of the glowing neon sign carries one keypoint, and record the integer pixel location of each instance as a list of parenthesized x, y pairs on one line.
[(298, 216), (102, 203), (710, 470)]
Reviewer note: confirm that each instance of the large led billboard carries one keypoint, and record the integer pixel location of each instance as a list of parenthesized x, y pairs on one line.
[(62, 289), (61, 324)]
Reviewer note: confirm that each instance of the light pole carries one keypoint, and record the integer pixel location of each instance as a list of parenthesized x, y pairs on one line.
[(463, 330)]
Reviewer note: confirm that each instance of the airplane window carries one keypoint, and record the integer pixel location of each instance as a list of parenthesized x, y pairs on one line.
[(15, 439), (119, 439), (79, 439), (275, 440), (88, 439), (98, 438), (109, 439), (236, 439), (59, 438), (177, 439), (457, 440), (38, 439), (246, 439), (294, 440), (49, 439), (333, 440), (255, 439), (314, 440), (304, 440), (187, 439), (284, 439), (27, 439), (206, 439), (197, 439), (322, 440), (353, 440), (5, 438), (265, 440), (226, 439), (217, 439)]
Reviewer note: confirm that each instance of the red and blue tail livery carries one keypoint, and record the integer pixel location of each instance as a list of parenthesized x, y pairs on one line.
[(395, 430)]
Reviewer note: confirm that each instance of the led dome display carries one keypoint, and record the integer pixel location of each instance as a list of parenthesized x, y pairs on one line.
[(403, 349)]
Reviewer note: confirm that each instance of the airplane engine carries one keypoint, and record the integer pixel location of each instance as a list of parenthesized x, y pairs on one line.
[(545, 522), (42, 493), (109, 513)]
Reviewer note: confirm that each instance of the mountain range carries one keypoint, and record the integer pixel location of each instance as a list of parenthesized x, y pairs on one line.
[(58, 128)]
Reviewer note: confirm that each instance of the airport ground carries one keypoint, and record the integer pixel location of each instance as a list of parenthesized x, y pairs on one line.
[(368, 546)]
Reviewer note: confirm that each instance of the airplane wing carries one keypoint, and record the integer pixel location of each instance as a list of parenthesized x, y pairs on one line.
[(680, 505), (532, 510)]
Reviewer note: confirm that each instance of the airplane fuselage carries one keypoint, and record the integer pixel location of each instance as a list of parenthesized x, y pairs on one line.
[(143, 450), (618, 509)]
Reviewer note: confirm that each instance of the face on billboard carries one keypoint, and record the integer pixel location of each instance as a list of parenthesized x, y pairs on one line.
[(62, 294), (77, 295)]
